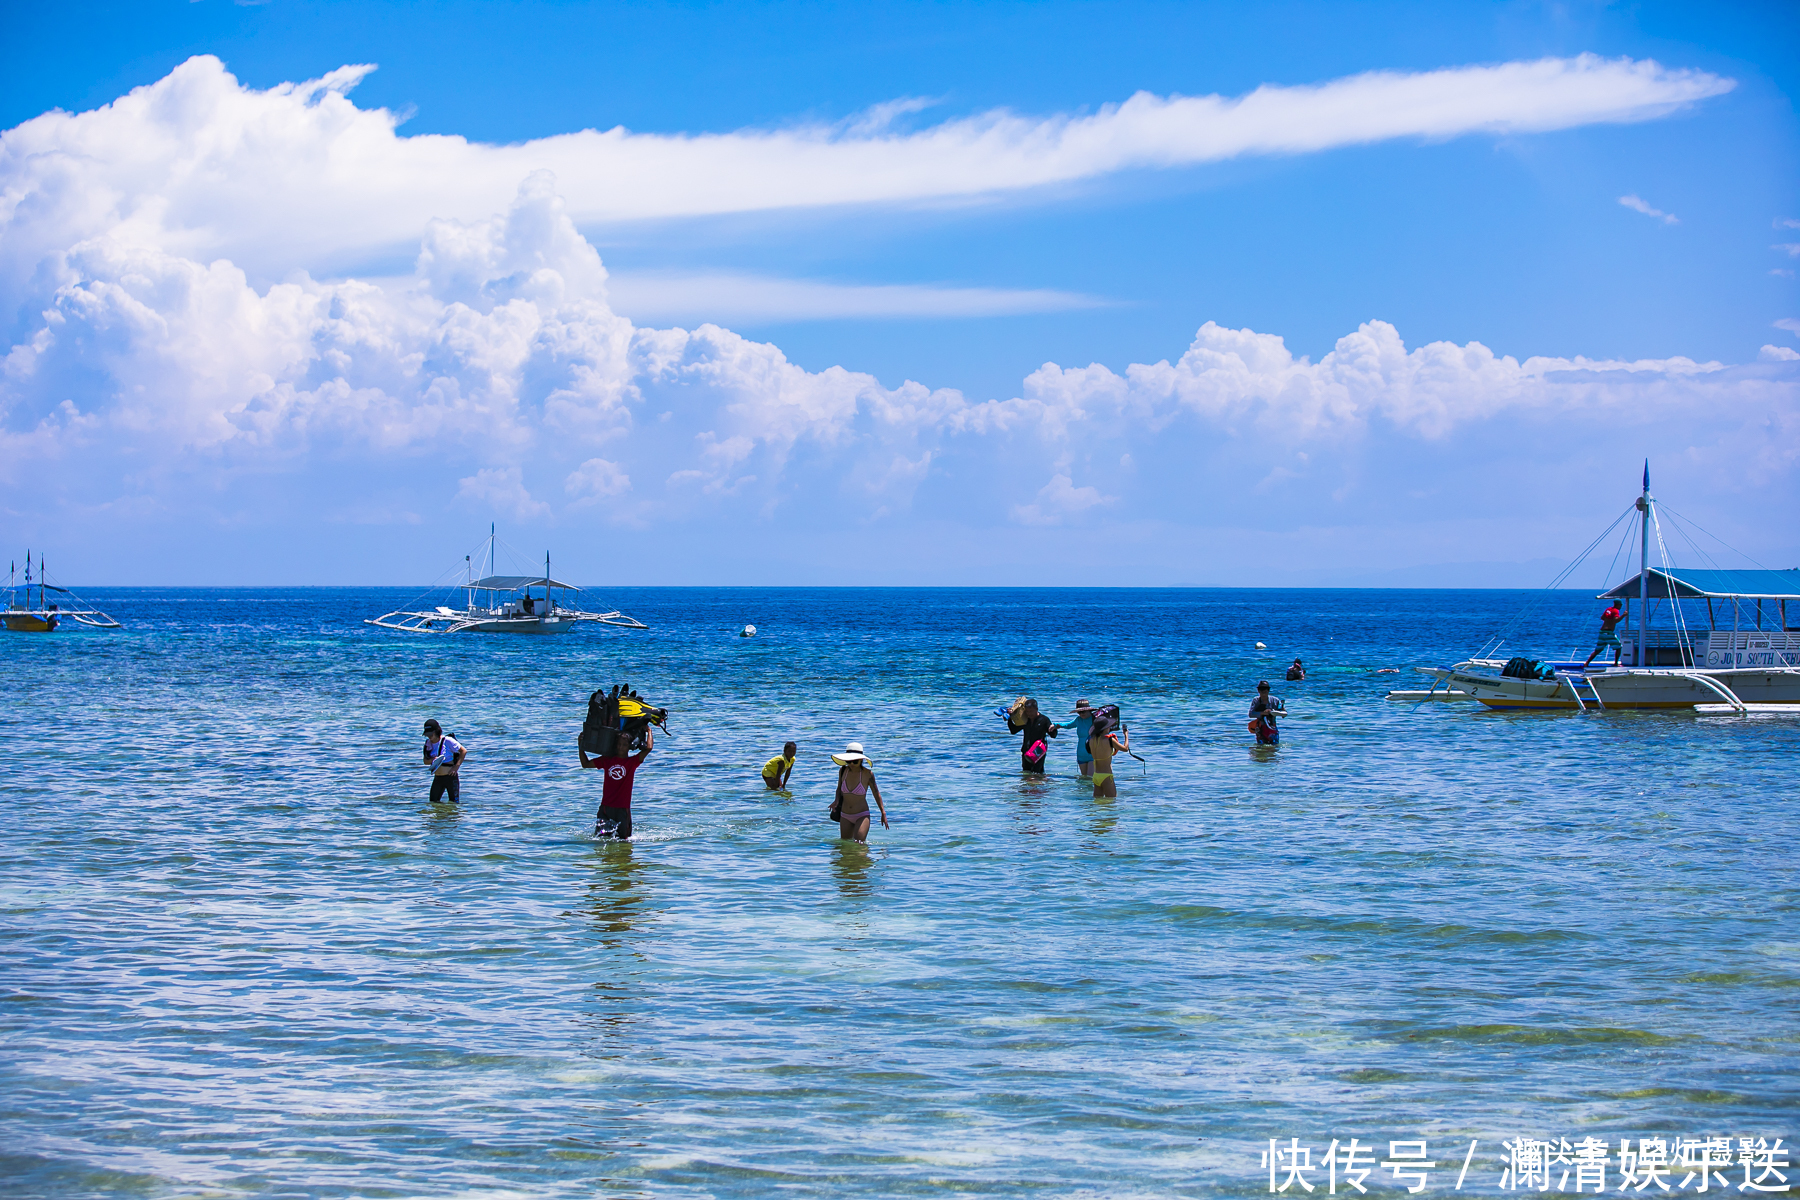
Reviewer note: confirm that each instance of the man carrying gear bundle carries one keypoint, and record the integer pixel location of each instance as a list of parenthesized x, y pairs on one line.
[(617, 723)]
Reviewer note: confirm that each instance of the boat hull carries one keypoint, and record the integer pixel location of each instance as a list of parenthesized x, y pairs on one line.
[(525, 625), (29, 623), (1618, 689)]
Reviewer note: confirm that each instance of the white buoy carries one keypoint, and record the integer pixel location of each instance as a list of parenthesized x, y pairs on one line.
[(1260, 646), (747, 631)]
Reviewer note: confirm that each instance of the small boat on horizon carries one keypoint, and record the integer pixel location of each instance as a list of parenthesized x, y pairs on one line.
[(1750, 663), (45, 617), (503, 604)]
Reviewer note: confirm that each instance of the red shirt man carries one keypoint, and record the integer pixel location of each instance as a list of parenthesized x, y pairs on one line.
[(1607, 638), (613, 820)]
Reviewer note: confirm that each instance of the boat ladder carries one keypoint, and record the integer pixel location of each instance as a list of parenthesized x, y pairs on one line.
[(1576, 681)]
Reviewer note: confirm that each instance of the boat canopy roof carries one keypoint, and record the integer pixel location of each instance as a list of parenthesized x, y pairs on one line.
[(508, 583), (1685, 583)]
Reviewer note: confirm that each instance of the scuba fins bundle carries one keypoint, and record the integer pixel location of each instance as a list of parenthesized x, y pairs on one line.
[(618, 722)]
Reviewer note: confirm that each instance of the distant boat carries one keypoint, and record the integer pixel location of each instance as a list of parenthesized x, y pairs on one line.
[(504, 604), (21, 616), (1745, 656)]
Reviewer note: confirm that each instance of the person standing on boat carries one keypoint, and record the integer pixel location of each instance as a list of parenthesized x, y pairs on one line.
[(444, 755), (1263, 711), (1034, 750), (617, 773), (1608, 634)]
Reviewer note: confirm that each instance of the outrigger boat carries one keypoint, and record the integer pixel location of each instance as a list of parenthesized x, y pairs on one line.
[(1749, 662), (45, 616), (504, 604)]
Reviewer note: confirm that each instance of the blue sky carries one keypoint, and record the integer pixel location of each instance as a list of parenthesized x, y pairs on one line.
[(229, 349)]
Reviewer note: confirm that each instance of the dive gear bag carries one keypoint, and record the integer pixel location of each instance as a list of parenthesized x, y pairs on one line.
[(619, 721)]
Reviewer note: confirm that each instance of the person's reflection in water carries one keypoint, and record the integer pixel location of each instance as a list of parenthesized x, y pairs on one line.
[(442, 818), (1102, 818), (616, 902), (850, 868)]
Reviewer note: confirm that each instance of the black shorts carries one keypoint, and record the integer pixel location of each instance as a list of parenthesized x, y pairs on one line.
[(441, 784), (1034, 765), (612, 823)]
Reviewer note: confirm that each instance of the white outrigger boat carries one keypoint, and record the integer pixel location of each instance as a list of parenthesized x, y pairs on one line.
[(1750, 664), (504, 604), (44, 617)]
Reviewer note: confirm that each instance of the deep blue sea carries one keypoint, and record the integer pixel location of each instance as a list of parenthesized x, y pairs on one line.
[(243, 956)]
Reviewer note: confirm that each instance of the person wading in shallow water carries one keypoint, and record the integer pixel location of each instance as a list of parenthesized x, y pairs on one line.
[(1104, 740), (616, 777), (1034, 750), (856, 783), (444, 755), (1263, 711)]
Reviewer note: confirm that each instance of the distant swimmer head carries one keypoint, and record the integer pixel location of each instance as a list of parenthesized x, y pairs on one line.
[(853, 753)]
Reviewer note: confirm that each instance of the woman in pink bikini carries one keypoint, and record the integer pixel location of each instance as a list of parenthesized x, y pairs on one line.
[(856, 783)]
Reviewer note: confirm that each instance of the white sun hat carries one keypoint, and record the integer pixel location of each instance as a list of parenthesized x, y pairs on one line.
[(852, 753)]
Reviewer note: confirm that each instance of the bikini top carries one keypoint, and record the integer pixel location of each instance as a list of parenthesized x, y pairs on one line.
[(858, 790)]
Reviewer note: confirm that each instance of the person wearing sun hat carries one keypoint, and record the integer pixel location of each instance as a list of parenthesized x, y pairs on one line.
[(856, 783), (1084, 725)]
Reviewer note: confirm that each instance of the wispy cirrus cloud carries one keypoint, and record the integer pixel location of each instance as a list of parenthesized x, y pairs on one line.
[(297, 176), (1637, 204), (753, 299)]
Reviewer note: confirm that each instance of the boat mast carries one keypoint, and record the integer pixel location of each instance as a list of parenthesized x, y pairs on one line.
[(1643, 506), (549, 605)]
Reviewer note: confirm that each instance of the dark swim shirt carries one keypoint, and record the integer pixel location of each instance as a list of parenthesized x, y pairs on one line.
[(616, 779), (1037, 729)]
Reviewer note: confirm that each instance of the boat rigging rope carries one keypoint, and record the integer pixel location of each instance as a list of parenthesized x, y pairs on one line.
[(1499, 639)]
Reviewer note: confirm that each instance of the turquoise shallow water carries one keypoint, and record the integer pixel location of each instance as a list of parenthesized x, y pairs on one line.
[(243, 956)]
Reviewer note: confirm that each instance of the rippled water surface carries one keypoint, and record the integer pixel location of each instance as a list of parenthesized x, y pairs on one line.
[(244, 956)]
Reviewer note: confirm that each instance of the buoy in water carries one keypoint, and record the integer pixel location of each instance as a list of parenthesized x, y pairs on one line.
[(747, 631), (1260, 646)]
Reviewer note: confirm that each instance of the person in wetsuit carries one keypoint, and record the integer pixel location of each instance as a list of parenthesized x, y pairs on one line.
[(613, 820), (1034, 750), (1263, 711), (1084, 726)]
